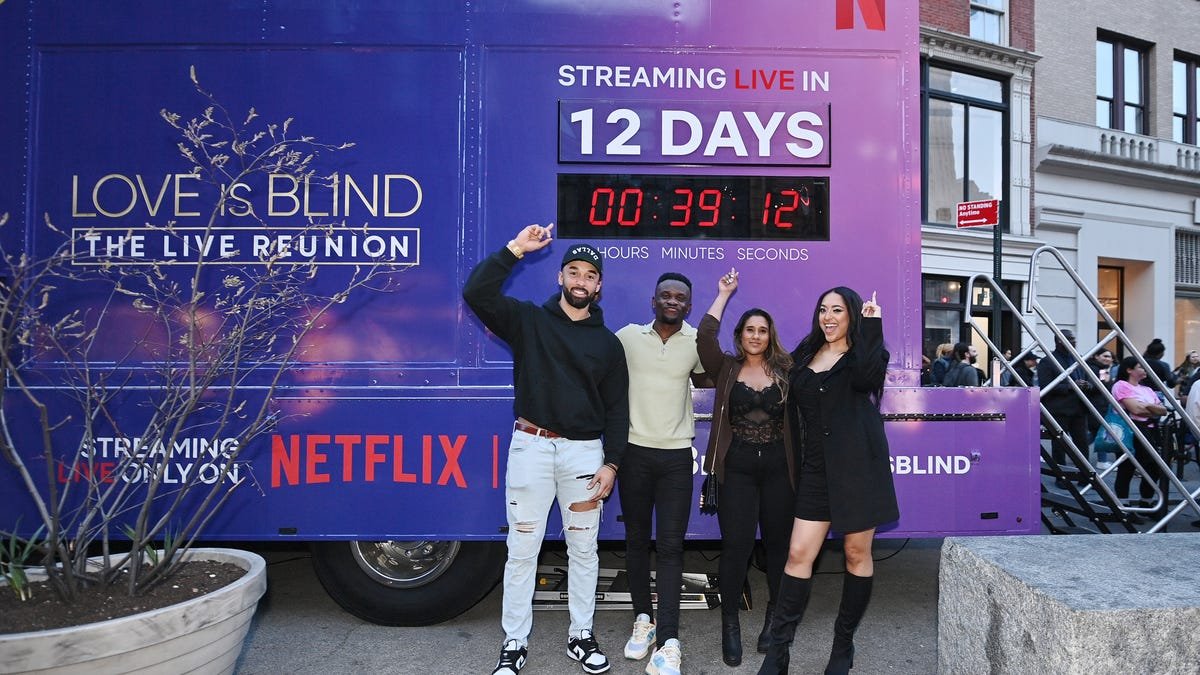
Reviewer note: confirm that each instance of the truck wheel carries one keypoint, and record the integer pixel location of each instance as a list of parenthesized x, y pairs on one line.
[(408, 583)]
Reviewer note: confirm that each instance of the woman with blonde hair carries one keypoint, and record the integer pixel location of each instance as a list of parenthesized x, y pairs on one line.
[(943, 359)]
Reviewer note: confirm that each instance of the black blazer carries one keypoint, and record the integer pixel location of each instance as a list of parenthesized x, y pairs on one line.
[(858, 472)]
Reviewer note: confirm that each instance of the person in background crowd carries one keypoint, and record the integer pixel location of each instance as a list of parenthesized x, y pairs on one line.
[(1144, 408), (1154, 356), (655, 480), (925, 377), (1187, 369), (845, 476), (571, 402), (1027, 369), (962, 373), (1061, 400), (979, 372), (943, 359), (750, 452), (1101, 364)]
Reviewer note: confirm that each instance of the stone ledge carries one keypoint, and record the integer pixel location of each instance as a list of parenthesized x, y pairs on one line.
[(1070, 604)]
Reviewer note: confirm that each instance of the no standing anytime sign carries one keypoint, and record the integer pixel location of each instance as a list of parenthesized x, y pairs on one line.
[(978, 213)]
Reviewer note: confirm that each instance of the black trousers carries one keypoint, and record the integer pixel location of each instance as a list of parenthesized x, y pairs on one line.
[(1076, 426), (756, 494), (1125, 471), (656, 485)]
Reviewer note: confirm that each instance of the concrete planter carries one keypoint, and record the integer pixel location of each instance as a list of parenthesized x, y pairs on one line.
[(201, 635)]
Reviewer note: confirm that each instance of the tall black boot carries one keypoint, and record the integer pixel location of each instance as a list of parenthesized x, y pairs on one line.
[(856, 593), (731, 640), (764, 638), (789, 609)]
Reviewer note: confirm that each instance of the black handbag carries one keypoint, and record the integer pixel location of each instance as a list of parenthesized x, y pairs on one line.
[(708, 495)]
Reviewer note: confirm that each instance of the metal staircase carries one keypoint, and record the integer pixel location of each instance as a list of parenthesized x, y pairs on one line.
[(1090, 505)]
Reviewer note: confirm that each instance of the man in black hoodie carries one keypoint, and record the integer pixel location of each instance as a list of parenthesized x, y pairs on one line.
[(571, 402)]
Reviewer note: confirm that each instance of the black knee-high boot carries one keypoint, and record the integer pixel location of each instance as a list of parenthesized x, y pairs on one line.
[(856, 593), (789, 609)]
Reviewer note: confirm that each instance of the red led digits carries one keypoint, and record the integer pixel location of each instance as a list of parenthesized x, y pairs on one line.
[(709, 203), (622, 219), (684, 209), (789, 200), (710, 200), (609, 198), (700, 207), (628, 208)]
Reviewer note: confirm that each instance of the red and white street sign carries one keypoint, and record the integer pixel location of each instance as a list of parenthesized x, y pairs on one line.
[(978, 214)]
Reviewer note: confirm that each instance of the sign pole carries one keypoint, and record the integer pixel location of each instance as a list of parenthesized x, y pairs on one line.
[(997, 247)]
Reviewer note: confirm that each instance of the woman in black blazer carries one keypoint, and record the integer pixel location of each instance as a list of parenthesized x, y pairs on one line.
[(845, 474)]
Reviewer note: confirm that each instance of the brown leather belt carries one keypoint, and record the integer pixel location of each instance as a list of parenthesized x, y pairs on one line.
[(535, 430)]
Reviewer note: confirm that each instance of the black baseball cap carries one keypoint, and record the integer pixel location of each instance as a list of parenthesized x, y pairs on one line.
[(585, 253)]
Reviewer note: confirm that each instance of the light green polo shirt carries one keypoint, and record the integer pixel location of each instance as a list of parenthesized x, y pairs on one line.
[(660, 387)]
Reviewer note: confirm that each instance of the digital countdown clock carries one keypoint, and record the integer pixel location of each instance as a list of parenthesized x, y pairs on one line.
[(655, 206)]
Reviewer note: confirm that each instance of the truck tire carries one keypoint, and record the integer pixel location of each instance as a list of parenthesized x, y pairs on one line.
[(408, 583)]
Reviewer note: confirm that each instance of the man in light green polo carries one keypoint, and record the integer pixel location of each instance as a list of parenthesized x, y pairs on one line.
[(655, 478)]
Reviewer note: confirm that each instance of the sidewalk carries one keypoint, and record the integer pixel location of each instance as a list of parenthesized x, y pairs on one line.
[(298, 629)]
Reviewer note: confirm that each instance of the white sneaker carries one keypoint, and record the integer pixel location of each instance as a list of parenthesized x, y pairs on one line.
[(1100, 466), (642, 639), (666, 659)]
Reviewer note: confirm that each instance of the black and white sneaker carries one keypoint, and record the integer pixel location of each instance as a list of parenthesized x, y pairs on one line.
[(586, 651), (512, 659)]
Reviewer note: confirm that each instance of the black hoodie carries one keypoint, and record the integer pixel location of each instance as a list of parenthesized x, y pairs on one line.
[(569, 376)]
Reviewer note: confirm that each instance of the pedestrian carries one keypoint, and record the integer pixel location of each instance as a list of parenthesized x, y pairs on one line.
[(943, 359), (1061, 400), (655, 480), (1101, 364), (751, 454), (1144, 408), (1184, 372), (845, 476), (1026, 369), (962, 373), (571, 402), (1154, 356)]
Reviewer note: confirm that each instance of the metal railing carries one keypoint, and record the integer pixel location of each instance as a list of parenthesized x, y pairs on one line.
[(1079, 455)]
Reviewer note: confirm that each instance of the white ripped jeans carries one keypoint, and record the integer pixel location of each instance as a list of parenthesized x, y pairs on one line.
[(541, 470)]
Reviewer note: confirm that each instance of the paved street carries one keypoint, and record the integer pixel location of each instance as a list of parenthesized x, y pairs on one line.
[(298, 629)]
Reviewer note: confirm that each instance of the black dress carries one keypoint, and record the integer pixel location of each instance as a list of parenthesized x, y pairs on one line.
[(812, 492)]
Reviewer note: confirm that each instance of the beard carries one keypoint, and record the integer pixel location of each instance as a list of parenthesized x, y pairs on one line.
[(578, 303)]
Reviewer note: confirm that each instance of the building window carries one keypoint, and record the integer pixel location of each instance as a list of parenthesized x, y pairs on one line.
[(1185, 82), (1121, 84), (989, 21), (966, 132), (1110, 291), (945, 311)]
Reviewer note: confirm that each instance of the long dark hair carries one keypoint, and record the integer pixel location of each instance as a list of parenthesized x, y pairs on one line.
[(808, 347), (779, 362)]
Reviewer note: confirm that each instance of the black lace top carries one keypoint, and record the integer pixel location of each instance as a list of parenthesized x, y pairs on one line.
[(756, 416)]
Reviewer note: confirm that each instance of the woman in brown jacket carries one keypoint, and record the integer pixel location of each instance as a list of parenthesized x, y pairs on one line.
[(750, 452), (845, 475)]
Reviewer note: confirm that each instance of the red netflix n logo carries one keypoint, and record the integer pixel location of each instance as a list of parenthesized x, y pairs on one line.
[(873, 14)]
